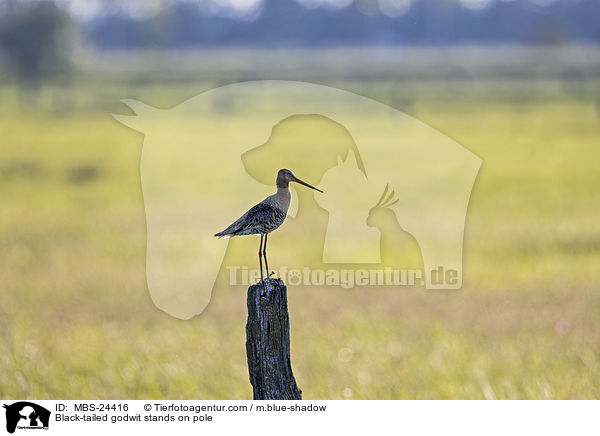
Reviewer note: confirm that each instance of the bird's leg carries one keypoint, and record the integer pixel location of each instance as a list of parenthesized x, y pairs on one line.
[(260, 258), (265, 256)]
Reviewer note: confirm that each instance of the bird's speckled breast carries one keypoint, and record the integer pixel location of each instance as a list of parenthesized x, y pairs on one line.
[(281, 205)]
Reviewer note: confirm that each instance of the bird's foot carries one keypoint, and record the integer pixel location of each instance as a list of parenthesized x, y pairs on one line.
[(268, 277)]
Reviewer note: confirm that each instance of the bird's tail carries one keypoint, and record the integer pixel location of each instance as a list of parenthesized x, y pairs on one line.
[(232, 230), (228, 232)]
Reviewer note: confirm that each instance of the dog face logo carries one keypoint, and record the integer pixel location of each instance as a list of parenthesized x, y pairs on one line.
[(26, 415), (396, 191)]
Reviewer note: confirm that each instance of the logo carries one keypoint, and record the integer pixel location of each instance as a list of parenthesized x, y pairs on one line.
[(26, 415), (396, 191)]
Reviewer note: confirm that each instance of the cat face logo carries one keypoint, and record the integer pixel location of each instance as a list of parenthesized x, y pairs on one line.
[(393, 185), (26, 415)]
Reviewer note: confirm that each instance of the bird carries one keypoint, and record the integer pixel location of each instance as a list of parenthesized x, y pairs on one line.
[(266, 216)]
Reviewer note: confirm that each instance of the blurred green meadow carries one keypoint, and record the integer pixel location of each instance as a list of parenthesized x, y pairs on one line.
[(76, 318)]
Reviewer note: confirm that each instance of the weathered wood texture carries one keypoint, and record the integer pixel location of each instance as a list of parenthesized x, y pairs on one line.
[(268, 342)]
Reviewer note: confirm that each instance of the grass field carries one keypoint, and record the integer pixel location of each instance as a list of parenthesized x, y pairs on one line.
[(76, 319)]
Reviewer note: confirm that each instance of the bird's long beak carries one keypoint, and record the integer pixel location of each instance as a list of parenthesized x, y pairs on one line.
[(297, 180)]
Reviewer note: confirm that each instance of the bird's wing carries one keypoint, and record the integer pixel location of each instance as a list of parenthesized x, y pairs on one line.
[(249, 221), (262, 216)]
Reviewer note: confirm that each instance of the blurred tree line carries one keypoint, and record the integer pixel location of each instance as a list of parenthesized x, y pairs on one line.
[(35, 42), (287, 22), (38, 38)]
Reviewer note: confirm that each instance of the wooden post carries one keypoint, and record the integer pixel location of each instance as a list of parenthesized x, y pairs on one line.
[(268, 342)]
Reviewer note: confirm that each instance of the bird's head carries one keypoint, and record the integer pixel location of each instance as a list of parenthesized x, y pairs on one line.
[(285, 176)]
